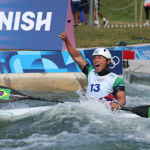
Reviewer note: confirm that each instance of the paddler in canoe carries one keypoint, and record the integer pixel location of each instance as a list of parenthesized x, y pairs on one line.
[(101, 82)]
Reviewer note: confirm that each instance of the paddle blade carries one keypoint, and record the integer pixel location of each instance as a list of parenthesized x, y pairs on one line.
[(143, 111), (9, 95)]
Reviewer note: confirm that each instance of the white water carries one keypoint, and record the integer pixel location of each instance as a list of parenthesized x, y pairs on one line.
[(88, 125)]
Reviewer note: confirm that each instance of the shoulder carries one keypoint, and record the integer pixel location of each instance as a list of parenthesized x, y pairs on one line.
[(119, 82), (119, 85), (87, 69), (111, 77), (91, 69), (111, 74)]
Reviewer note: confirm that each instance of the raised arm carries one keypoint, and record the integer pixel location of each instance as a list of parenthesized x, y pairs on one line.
[(76, 56)]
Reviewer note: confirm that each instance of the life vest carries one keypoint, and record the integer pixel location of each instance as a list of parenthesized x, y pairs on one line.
[(110, 98)]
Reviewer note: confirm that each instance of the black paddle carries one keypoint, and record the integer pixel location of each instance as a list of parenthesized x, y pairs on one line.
[(9, 95), (143, 111)]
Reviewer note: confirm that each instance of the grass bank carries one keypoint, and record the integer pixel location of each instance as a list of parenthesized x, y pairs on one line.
[(122, 10), (97, 37)]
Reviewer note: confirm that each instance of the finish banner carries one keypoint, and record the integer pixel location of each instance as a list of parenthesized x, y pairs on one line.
[(33, 24)]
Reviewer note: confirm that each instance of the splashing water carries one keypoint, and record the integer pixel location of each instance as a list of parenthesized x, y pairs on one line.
[(80, 126)]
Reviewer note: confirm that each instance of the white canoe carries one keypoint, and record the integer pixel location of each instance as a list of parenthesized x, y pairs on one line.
[(17, 114), (128, 115)]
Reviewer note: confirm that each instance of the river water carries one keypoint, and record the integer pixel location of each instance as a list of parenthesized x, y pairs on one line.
[(74, 126)]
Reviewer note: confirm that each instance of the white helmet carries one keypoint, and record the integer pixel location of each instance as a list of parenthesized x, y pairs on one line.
[(103, 52)]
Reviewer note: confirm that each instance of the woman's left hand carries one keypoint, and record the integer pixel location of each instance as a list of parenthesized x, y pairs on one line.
[(114, 106)]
